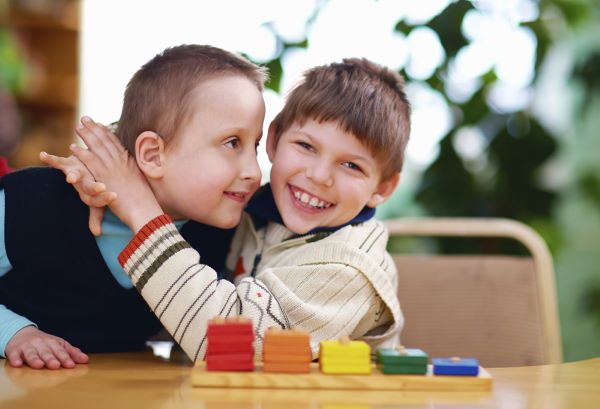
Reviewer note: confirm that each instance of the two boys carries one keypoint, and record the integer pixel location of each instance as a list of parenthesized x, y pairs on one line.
[(334, 279), (307, 252)]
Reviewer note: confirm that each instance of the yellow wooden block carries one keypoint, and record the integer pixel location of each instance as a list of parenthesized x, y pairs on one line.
[(346, 369), (341, 348)]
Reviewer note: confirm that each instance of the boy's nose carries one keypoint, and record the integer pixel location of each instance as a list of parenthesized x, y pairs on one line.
[(250, 168), (320, 174)]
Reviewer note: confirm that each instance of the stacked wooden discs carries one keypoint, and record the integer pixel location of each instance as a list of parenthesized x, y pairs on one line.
[(230, 344), (286, 351)]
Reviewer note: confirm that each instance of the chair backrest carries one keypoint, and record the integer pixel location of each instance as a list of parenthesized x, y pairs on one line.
[(499, 309)]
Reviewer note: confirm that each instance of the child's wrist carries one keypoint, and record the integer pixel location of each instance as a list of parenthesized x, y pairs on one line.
[(142, 217)]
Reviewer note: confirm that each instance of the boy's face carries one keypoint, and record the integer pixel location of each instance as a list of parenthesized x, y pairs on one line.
[(323, 176), (210, 167)]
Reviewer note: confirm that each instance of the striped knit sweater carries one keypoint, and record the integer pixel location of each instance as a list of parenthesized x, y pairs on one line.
[(332, 285)]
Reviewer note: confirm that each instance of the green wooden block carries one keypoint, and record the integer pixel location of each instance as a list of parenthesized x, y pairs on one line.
[(401, 356), (403, 369)]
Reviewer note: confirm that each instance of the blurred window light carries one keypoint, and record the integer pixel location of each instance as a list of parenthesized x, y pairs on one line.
[(469, 142), (499, 43), (426, 53), (366, 30), (516, 57), (517, 11), (458, 86), (505, 98), (420, 12), (289, 18), (431, 120), (259, 43)]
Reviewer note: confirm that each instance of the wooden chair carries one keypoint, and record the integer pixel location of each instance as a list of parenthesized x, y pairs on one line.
[(499, 309)]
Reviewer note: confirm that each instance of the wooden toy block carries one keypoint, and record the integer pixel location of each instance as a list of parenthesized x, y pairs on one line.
[(286, 351), (275, 358), (230, 344), (455, 366), (286, 367), (401, 356), (270, 349), (346, 369), (344, 348), (402, 360), (220, 326), (345, 357), (403, 369), (287, 336)]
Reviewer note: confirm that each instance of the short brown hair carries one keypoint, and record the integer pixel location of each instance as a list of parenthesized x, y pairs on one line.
[(367, 99), (157, 96)]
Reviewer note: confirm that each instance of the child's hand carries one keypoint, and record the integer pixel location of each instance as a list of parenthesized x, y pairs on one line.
[(39, 350), (92, 193), (111, 164)]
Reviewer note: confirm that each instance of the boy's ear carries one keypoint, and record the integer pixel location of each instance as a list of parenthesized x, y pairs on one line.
[(149, 149), (271, 145), (384, 190)]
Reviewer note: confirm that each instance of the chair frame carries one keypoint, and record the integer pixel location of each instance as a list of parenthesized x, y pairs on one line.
[(503, 228)]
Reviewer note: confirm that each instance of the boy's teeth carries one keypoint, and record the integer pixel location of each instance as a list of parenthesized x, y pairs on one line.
[(311, 201)]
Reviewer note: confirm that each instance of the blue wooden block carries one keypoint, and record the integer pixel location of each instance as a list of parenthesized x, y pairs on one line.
[(455, 366)]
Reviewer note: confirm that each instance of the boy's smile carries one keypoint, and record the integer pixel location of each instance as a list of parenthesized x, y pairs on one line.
[(322, 176)]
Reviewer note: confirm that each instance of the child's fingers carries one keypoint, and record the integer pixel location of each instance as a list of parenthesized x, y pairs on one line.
[(98, 200), (115, 140), (89, 159), (95, 220), (14, 358), (94, 145), (32, 358), (50, 360), (63, 164), (62, 355), (76, 354), (102, 139), (89, 186)]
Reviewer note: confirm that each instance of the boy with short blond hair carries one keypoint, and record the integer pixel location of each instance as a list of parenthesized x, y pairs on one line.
[(192, 117), (307, 253)]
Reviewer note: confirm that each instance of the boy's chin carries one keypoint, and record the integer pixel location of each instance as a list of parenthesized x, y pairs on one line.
[(228, 224)]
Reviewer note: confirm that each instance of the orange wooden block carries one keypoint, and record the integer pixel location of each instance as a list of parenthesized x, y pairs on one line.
[(270, 349), (275, 358), (286, 367), (286, 337)]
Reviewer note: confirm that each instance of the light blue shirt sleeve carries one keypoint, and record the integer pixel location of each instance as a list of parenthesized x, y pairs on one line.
[(10, 322)]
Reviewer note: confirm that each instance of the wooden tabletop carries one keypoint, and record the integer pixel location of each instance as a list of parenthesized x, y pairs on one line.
[(142, 380)]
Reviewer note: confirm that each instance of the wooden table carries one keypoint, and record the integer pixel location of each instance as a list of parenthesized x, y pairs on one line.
[(142, 380)]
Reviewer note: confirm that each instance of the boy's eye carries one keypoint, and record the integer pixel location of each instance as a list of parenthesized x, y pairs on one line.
[(353, 166), (305, 145), (233, 142)]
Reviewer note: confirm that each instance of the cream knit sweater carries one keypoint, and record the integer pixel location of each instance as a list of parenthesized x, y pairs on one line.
[(335, 285)]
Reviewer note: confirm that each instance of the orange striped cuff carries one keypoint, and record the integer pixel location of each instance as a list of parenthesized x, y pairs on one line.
[(142, 236)]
